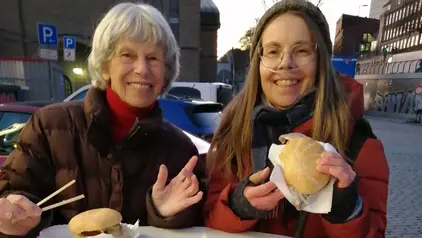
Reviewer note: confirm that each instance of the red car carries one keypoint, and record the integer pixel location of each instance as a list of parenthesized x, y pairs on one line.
[(20, 112), (9, 115)]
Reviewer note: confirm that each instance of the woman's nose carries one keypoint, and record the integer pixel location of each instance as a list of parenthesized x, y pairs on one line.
[(141, 66), (286, 60)]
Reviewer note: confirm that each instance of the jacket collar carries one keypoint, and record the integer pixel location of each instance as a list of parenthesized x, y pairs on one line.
[(98, 118)]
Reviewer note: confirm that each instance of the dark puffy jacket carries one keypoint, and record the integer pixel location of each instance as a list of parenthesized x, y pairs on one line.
[(73, 140)]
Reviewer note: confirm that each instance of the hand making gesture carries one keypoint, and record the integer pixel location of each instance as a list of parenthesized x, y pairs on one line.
[(181, 193)]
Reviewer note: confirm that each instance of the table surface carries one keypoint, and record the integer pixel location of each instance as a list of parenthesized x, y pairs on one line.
[(203, 232), (153, 232)]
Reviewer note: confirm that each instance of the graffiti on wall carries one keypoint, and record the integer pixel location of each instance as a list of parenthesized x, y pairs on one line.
[(409, 102)]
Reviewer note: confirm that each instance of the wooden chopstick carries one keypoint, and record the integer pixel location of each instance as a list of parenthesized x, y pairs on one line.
[(56, 192), (64, 202)]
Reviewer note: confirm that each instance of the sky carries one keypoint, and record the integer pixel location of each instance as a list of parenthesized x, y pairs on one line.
[(236, 16)]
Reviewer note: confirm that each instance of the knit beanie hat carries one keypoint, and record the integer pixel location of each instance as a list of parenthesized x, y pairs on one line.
[(302, 6)]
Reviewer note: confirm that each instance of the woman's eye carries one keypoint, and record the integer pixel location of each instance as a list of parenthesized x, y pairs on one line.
[(271, 52)]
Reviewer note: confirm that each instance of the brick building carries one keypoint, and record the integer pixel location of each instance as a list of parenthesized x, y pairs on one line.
[(355, 35), (194, 23)]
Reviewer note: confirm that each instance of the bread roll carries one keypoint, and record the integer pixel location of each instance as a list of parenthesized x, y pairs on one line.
[(95, 221), (298, 159)]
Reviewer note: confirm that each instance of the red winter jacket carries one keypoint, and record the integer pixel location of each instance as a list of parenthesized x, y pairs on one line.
[(371, 165)]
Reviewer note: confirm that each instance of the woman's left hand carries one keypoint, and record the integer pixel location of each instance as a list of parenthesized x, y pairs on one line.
[(181, 193), (334, 164)]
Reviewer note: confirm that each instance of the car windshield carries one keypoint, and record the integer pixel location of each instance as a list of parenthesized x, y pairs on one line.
[(224, 95), (9, 118), (185, 92), (9, 137), (206, 115)]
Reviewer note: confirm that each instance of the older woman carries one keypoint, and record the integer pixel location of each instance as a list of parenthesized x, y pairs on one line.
[(115, 143), (292, 87)]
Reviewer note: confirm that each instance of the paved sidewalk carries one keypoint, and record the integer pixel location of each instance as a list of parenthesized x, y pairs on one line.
[(403, 146)]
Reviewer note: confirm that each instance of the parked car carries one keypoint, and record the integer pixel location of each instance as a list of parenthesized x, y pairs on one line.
[(14, 116), (10, 114), (196, 116)]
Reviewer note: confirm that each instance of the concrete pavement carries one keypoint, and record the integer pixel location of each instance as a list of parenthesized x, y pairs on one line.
[(403, 147)]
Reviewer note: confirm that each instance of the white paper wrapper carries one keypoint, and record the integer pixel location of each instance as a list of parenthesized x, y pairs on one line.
[(320, 202), (62, 231)]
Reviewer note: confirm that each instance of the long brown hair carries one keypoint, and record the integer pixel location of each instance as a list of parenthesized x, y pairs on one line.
[(232, 141)]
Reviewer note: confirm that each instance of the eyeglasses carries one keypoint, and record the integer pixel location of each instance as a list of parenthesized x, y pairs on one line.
[(301, 54), (153, 62)]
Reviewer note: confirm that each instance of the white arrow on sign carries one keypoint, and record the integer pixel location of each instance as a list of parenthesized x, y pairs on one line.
[(69, 54)]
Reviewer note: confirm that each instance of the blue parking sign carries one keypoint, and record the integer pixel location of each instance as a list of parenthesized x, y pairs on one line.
[(69, 42), (47, 34)]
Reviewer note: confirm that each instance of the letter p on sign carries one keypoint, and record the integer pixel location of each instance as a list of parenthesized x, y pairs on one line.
[(47, 33), (69, 42)]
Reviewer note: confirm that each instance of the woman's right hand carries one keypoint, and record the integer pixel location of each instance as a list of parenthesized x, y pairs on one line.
[(18, 215), (263, 197)]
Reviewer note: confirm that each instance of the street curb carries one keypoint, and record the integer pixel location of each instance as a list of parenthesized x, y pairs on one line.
[(398, 117)]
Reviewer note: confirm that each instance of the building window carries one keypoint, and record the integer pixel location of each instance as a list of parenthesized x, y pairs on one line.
[(174, 17)]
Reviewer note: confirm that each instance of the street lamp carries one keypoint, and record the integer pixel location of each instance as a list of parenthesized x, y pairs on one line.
[(78, 71), (363, 5)]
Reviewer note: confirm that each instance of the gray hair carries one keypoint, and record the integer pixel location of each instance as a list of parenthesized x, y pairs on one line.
[(137, 22)]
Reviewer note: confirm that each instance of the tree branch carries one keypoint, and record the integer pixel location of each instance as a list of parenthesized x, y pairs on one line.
[(264, 3), (320, 2)]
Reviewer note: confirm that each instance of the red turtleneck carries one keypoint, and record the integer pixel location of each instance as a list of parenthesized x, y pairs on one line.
[(123, 115)]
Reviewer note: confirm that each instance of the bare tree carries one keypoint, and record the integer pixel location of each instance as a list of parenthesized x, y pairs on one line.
[(264, 3), (246, 40), (319, 3)]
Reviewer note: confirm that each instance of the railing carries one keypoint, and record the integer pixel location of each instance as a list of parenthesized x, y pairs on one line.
[(399, 67)]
